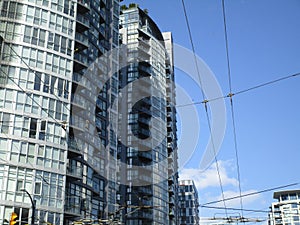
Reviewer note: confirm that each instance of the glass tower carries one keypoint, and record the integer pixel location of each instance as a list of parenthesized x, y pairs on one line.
[(47, 47), (148, 151), (188, 203)]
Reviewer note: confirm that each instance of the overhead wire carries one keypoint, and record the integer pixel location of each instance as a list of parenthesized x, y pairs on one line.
[(241, 91), (33, 71), (59, 122), (231, 106), (23, 90), (251, 193), (237, 209), (28, 94), (203, 96)]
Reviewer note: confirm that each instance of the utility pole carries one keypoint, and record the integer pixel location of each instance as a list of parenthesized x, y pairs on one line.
[(33, 203)]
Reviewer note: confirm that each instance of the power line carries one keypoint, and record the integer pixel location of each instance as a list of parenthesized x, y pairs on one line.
[(203, 97), (32, 70), (242, 91), (246, 210), (231, 105), (251, 193), (28, 94)]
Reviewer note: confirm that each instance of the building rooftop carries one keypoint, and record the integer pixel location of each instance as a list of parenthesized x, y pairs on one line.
[(279, 193)]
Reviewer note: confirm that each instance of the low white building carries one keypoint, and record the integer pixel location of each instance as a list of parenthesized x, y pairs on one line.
[(286, 210)]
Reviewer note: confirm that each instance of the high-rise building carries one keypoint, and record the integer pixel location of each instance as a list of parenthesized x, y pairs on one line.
[(147, 151), (286, 210), (47, 151), (188, 203)]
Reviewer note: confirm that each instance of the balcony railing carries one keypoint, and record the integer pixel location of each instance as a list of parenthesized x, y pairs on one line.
[(83, 23), (74, 171), (81, 38), (83, 5)]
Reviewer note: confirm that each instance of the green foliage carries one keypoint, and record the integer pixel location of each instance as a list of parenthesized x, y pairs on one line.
[(133, 5)]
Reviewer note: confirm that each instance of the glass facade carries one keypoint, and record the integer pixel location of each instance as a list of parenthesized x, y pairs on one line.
[(188, 203), (47, 47), (149, 173)]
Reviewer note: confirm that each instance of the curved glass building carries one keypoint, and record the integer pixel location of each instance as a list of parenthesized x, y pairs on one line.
[(46, 48), (148, 151)]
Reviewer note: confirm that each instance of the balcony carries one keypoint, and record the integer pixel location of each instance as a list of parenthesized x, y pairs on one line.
[(144, 179), (72, 207), (80, 61), (144, 120), (144, 42), (171, 190), (170, 146), (143, 55), (103, 15), (171, 212), (103, 3), (73, 147), (171, 201), (143, 35), (170, 136), (147, 156), (143, 49), (79, 81), (81, 41), (74, 172), (170, 180), (82, 23), (145, 191), (171, 169), (83, 6), (145, 110), (78, 103)]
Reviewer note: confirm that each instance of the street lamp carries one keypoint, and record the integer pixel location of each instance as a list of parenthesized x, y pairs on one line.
[(33, 203)]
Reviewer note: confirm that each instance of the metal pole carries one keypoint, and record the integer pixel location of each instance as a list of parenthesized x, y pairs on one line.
[(33, 202)]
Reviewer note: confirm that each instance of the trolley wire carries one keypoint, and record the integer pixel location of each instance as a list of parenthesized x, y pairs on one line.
[(229, 208), (232, 94), (232, 106), (251, 193), (203, 96)]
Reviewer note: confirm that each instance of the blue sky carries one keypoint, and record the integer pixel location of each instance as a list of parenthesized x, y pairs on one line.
[(264, 45)]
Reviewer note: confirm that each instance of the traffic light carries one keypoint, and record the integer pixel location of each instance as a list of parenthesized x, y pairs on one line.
[(13, 218)]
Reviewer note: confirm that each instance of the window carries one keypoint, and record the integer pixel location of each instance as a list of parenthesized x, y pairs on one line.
[(44, 18), (60, 87), (53, 84), (5, 123), (42, 38), (14, 10), (38, 188), (19, 185), (33, 126), (37, 17), (29, 14), (27, 34), (46, 83), (56, 42), (34, 36), (58, 110), (37, 81), (293, 196), (42, 130), (4, 10), (50, 40)]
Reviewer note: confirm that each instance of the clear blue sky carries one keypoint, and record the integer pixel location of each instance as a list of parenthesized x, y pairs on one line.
[(264, 45)]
